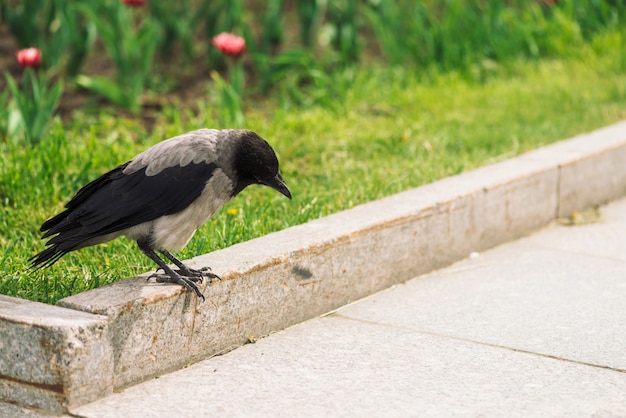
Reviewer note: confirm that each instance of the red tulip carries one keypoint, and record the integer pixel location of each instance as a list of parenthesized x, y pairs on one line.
[(229, 44), (134, 3), (29, 57)]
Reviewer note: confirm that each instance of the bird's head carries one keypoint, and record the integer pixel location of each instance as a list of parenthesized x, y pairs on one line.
[(255, 162)]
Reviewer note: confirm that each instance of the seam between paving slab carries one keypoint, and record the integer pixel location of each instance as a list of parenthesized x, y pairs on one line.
[(477, 342), (105, 339)]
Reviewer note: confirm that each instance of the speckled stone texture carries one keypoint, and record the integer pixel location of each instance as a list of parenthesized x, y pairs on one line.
[(52, 358)]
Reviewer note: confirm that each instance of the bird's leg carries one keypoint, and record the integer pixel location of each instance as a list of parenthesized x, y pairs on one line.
[(170, 275), (189, 272)]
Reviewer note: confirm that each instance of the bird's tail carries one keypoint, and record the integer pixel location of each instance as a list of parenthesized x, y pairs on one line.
[(68, 236), (47, 257)]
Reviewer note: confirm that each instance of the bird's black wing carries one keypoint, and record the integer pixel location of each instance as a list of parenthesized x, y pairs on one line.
[(116, 201)]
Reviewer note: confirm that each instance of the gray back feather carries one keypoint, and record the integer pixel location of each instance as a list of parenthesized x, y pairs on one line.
[(192, 147)]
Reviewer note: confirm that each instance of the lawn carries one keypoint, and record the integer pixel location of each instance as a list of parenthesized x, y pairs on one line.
[(366, 132)]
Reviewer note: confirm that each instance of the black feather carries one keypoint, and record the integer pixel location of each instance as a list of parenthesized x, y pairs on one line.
[(116, 201)]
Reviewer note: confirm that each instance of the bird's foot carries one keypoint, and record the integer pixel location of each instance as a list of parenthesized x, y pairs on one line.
[(188, 282)]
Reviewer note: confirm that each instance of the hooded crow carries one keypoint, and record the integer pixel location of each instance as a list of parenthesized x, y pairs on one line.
[(160, 197)]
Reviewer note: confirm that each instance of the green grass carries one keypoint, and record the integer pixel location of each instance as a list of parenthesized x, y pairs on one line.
[(372, 132)]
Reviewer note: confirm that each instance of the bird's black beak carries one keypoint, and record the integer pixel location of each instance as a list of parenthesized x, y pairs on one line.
[(278, 184)]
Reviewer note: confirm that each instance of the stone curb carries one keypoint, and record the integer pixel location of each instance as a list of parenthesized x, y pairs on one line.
[(59, 357)]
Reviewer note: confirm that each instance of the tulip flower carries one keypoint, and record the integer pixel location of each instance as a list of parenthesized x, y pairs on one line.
[(29, 57), (229, 44), (231, 93), (35, 100)]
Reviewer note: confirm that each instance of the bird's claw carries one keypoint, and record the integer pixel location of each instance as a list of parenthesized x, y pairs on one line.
[(186, 277), (188, 282), (191, 274), (198, 274), (165, 278)]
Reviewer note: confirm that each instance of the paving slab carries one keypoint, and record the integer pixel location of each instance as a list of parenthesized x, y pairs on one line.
[(566, 305), (530, 328), (559, 292), (340, 367)]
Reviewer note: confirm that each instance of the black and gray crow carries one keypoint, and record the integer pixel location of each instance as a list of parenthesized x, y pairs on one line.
[(160, 197)]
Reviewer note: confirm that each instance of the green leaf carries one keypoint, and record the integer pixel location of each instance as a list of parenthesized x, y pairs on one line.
[(107, 88)]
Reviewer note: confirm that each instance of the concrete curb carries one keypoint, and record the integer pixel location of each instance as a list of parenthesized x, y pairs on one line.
[(133, 330)]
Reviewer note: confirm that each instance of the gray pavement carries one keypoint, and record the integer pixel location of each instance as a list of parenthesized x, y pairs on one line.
[(536, 327)]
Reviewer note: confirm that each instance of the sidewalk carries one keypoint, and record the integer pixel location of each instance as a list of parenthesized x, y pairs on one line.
[(536, 327)]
